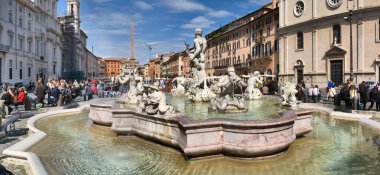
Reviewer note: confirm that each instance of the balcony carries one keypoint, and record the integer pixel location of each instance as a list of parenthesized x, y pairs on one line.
[(42, 58), (4, 48)]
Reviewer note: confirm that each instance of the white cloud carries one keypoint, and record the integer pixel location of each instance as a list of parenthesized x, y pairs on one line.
[(183, 5), (219, 13), (200, 21), (101, 1), (143, 5)]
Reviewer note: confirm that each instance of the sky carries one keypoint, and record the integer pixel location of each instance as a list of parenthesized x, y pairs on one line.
[(165, 25)]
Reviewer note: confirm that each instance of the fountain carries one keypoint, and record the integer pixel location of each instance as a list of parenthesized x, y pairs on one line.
[(153, 119)]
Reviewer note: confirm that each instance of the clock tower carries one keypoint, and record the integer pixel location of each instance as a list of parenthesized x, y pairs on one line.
[(73, 7)]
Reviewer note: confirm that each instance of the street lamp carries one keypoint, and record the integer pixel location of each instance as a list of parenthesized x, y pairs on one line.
[(349, 19)]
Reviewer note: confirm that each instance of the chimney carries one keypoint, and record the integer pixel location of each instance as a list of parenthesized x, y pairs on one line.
[(274, 4)]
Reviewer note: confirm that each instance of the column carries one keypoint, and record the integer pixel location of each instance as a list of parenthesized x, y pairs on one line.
[(314, 50), (314, 7), (360, 65)]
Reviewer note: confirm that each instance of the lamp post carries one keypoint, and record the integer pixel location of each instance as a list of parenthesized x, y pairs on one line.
[(349, 19)]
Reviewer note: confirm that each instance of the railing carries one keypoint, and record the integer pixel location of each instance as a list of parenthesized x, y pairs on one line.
[(4, 48)]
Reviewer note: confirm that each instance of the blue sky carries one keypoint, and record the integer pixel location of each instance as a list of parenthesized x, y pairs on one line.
[(163, 24)]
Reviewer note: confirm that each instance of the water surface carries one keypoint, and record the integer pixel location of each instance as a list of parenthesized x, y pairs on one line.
[(75, 146)]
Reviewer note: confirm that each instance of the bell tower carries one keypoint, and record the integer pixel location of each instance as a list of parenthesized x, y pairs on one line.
[(73, 9)]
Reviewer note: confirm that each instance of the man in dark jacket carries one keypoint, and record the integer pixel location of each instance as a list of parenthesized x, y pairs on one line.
[(363, 89)]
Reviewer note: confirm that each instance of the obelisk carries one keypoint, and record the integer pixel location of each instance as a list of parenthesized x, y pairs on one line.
[(133, 41)]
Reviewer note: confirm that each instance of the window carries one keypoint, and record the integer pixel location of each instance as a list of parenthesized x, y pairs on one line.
[(29, 45), (10, 16), (54, 66), (299, 40), (276, 45), (10, 2), (299, 8), (268, 20), (336, 34), (10, 73), (20, 74), (29, 72), (29, 25), (10, 41), (334, 3), (10, 63), (20, 21), (276, 17), (238, 60), (21, 43), (268, 32), (54, 52)]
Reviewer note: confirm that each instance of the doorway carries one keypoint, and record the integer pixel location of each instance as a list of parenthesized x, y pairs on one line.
[(336, 69), (299, 75)]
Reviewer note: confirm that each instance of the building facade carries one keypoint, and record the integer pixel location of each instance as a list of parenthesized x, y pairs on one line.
[(113, 67), (249, 43), (30, 40), (315, 40)]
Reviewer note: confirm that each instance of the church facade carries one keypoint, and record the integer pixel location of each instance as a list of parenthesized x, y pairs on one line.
[(315, 40)]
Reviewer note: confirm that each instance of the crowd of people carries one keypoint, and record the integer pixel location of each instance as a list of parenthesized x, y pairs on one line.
[(54, 93)]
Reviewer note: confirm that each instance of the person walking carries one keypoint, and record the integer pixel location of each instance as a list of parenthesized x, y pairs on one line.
[(316, 94), (363, 89), (353, 97), (310, 94), (372, 97)]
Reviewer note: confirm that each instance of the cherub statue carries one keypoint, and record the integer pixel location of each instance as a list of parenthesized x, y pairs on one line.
[(253, 92)]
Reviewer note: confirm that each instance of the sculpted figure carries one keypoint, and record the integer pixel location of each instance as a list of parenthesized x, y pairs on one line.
[(129, 76), (154, 101), (289, 94), (180, 90), (253, 92), (228, 100), (198, 90)]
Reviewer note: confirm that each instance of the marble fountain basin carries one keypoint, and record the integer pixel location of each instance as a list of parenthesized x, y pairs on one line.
[(215, 136)]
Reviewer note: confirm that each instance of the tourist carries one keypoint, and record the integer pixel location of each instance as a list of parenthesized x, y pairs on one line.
[(353, 96), (21, 96), (373, 97), (89, 92), (316, 94), (363, 89), (310, 94), (55, 94), (100, 88), (332, 93), (9, 99), (40, 92)]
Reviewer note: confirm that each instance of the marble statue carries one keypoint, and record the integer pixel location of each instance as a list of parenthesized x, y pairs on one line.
[(154, 101), (289, 94), (131, 77), (198, 90), (228, 100), (180, 89), (253, 92)]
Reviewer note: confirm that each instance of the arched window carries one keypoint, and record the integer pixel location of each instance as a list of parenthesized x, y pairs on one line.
[(299, 40), (336, 34), (234, 60)]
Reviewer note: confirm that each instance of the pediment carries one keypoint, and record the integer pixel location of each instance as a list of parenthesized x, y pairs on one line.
[(335, 51)]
